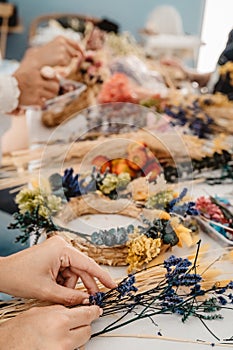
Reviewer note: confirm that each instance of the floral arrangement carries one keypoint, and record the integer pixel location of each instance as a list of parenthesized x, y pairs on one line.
[(165, 227), (187, 287), (181, 286), (35, 210)]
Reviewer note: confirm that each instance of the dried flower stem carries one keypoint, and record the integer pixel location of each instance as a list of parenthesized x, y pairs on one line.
[(178, 290), (170, 339)]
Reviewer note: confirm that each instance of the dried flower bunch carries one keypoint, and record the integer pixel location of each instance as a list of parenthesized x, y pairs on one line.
[(137, 245), (196, 286), (76, 185), (180, 286)]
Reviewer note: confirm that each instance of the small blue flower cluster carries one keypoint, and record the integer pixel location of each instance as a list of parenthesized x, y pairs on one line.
[(185, 209), (224, 299), (187, 279), (196, 290), (170, 299), (124, 288), (97, 299), (71, 184), (74, 186), (179, 276), (178, 199), (230, 285), (193, 116), (174, 261), (127, 286), (179, 114)]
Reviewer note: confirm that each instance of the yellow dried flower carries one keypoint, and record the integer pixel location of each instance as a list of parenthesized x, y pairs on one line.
[(30, 199), (123, 179), (109, 183), (141, 250), (112, 181)]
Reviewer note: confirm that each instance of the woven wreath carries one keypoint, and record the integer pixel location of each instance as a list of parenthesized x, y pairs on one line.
[(72, 196)]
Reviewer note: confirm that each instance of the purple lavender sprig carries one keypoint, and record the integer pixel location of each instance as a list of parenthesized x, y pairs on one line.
[(124, 289), (176, 293)]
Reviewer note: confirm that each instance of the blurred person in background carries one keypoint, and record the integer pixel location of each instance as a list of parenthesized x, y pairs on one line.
[(31, 84), (217, 81)]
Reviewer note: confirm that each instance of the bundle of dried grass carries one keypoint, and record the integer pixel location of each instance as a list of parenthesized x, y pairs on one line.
[(215, 267)]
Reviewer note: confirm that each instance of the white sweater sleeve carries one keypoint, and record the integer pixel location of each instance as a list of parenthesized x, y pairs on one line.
[(9, 93)]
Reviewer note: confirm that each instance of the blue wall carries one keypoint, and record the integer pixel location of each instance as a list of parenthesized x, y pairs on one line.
[(131, 15)]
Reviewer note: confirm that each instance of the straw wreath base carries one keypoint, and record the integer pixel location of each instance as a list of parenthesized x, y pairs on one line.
[(95, 204)]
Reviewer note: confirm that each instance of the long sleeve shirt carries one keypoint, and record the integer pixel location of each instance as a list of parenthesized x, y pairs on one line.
[(9, 94)]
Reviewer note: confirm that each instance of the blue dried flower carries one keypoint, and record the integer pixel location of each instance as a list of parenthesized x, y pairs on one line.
[(74, 187), (222, 300), (127, 286), (196, 290), (178, 199), (171, 261), (97, 299), (185, 209), (170, 299), (185, 279), (71, 184), (230, 296), (221, 291)]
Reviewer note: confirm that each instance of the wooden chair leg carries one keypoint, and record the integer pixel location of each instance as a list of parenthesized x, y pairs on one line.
[(4, 32), (6, 10)]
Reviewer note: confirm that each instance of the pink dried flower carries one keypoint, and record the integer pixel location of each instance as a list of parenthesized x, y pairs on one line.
[(209, 209)]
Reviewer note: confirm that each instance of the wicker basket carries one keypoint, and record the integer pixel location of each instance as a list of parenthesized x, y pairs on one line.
[(87, 98)]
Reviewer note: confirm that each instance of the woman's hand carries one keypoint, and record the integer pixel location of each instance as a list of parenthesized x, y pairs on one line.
[(49, 328), (34, 88), (58, 52), (50, 271)]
